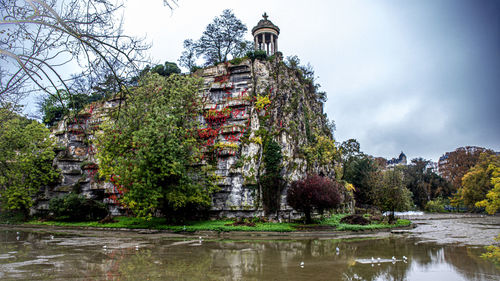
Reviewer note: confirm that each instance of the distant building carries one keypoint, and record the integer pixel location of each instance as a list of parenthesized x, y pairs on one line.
[(401, 160)]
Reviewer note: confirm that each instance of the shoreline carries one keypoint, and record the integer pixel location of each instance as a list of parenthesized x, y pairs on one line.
[(298, 234)]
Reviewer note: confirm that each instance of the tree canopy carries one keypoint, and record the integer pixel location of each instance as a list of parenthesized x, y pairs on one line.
[(150, 152), (458, 163), (393, 195), (424, 184), (222, 38), (26, 154), (271, 181), (477, 182), (492, 201), (314, 193), (363, 173)]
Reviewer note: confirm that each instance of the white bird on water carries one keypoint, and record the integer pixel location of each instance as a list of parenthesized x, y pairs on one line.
[(136, 247), (51, 237), (301, 264), (405, 258), (104, 247), (393, 258)]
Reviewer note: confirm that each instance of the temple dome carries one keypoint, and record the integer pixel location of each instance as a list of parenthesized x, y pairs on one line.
[(265, 24)]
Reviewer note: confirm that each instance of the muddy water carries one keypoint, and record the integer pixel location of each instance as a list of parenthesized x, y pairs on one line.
[(41, 254)]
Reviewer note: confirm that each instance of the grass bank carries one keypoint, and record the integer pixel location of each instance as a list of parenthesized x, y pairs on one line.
[(331, 223)]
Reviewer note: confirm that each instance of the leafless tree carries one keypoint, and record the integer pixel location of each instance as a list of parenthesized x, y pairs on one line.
[(43, 41)]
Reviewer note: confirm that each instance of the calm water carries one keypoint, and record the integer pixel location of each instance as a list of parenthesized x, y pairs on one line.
[(32, 255)]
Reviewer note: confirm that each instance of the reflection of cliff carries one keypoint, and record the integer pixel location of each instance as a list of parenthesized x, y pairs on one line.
[(84, 258)]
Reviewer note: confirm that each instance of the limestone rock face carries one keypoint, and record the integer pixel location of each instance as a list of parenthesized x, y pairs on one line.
[(292, 113), (76, 158), (242, 104)]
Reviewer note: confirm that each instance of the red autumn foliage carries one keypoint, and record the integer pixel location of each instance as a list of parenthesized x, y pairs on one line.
[(207, 133), (314, 193)]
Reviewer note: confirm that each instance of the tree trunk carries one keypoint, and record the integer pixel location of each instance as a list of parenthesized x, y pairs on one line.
[(308, 216)]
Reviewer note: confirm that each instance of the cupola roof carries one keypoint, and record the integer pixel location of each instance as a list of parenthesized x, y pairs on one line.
[(265, 23)]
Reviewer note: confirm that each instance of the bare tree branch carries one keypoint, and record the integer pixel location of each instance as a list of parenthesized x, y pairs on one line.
[(41, 39)]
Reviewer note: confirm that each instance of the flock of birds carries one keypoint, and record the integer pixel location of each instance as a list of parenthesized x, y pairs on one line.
[(200, 241), (373, 260)]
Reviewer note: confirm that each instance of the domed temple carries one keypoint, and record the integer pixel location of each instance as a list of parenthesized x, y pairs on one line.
[(265, 36)]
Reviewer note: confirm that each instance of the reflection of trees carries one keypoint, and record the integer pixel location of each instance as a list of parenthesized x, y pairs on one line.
[(234, 260), (467, 262)]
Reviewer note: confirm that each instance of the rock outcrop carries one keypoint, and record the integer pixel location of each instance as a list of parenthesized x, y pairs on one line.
[(245, 105)]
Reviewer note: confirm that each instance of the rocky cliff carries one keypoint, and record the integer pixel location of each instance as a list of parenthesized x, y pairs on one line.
[(246, 105)]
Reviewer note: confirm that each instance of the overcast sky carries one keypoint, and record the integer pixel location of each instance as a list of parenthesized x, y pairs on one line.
[(419, 76)]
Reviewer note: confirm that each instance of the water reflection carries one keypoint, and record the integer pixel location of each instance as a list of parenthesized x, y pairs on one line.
[(42, 257)]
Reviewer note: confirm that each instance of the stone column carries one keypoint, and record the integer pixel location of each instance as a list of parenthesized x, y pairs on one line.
[(275, 44), (272, 44), (267, 44)]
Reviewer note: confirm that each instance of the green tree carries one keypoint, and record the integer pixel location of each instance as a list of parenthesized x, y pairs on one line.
[(363, 173), (222, 38), (349, 148), (478, 181), (424, 184), (55, 107), (271, 181), (26, 154), (392, 195), (150, 152), (188, 56), (166, 69)]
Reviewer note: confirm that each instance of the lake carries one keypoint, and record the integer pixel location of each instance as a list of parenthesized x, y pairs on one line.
[(59, 254)]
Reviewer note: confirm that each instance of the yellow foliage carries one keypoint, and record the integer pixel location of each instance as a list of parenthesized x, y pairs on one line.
[(350, 187), (493, 253), (323, 151), (257, 140), (226, 145), (262, 102), (492, 201)]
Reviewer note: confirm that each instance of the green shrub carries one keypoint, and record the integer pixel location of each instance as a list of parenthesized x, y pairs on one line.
[(258, 54), (435, 206), (12, 217), (74, 207), (237, 61)]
